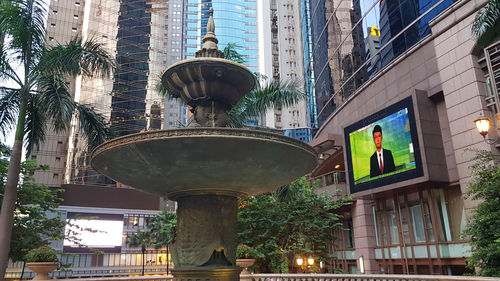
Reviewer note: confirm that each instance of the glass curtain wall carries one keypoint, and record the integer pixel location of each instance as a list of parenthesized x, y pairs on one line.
[(305, 12), (235, 23), (355, 39), (416, 230)]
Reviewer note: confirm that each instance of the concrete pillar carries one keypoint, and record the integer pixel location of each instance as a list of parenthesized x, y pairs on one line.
[(364, 235)]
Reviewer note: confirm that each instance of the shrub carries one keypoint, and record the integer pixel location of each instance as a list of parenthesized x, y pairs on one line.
[(246, 252), (41, 254)]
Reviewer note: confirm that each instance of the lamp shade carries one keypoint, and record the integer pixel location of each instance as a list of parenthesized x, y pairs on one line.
[(483, 125), (310, 261), (300, 261)]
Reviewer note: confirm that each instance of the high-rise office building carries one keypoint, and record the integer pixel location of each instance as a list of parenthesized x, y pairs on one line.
[(235, 23), (137, 33), (372, 44), (307, 43), (285, 63)]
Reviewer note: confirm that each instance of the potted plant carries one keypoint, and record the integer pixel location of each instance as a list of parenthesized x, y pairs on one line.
[(245, 257), (42, 261)]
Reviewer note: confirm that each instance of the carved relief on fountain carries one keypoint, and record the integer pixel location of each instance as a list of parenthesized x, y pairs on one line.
[(208, 225)]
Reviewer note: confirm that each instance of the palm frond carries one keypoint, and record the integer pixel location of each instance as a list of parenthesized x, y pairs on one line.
[(6, 70), (88, 58), (9, 109), (162, 90), (57, 104), (486, 25), (24, 22), (92, 125), (236, 117), (231, 53), (34, 128), (271, 94)]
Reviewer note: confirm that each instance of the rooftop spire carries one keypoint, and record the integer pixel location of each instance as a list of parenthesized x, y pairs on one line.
[(209, 48)]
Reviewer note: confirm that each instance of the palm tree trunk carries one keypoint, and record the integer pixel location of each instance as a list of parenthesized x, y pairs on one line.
[(167, 261), (10, 195), (143, 252)]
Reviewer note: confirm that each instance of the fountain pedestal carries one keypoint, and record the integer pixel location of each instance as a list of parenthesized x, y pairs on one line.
[(206, 242)]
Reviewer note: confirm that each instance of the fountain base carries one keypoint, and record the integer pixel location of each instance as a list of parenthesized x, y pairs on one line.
[(207, 274)]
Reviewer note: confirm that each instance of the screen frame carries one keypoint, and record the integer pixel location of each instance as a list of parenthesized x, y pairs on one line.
[(395, 178), (92, 216)]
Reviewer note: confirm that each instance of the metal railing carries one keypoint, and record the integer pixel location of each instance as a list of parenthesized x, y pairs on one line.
[(360, 277), (316, 277)]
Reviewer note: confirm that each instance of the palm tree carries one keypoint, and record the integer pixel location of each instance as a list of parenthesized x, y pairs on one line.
[(140, 239), (486, 25), (40, 96), (266, 95), (163, 229)]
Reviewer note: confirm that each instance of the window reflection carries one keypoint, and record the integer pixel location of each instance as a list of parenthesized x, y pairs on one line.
[(346, 53)]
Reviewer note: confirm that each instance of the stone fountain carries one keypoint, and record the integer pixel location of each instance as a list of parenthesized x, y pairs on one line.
[(208, 166)]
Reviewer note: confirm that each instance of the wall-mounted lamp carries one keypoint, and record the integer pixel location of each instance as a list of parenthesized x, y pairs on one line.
[(310, 261), (483, 126), (300, 261)]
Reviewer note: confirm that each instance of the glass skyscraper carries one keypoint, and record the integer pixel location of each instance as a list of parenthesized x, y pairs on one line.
[(235, 22), (305, 12)]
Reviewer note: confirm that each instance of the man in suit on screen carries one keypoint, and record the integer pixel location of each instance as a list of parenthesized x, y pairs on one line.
[(381, 162)]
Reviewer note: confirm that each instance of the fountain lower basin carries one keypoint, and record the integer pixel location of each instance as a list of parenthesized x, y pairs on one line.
[(195, 161)]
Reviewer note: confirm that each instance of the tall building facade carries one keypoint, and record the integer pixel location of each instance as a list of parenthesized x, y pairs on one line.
[(235, 22), (425, 83), (285, 63), (309, 81), (137, 33)]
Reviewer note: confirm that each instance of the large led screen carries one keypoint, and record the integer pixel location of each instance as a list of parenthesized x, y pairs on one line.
[(90, 232), (383, 148)]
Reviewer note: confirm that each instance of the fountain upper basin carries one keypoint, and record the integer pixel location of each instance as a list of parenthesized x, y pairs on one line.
[(198, 79), (188, 161)]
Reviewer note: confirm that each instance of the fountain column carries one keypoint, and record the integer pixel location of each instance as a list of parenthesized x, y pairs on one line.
[(206, 242)]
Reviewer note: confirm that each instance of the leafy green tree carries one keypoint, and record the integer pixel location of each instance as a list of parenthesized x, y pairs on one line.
[(486, 25), (32, 228), (40, 96), (163, 230), (142, 239), (484, 225), (294, 220)]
